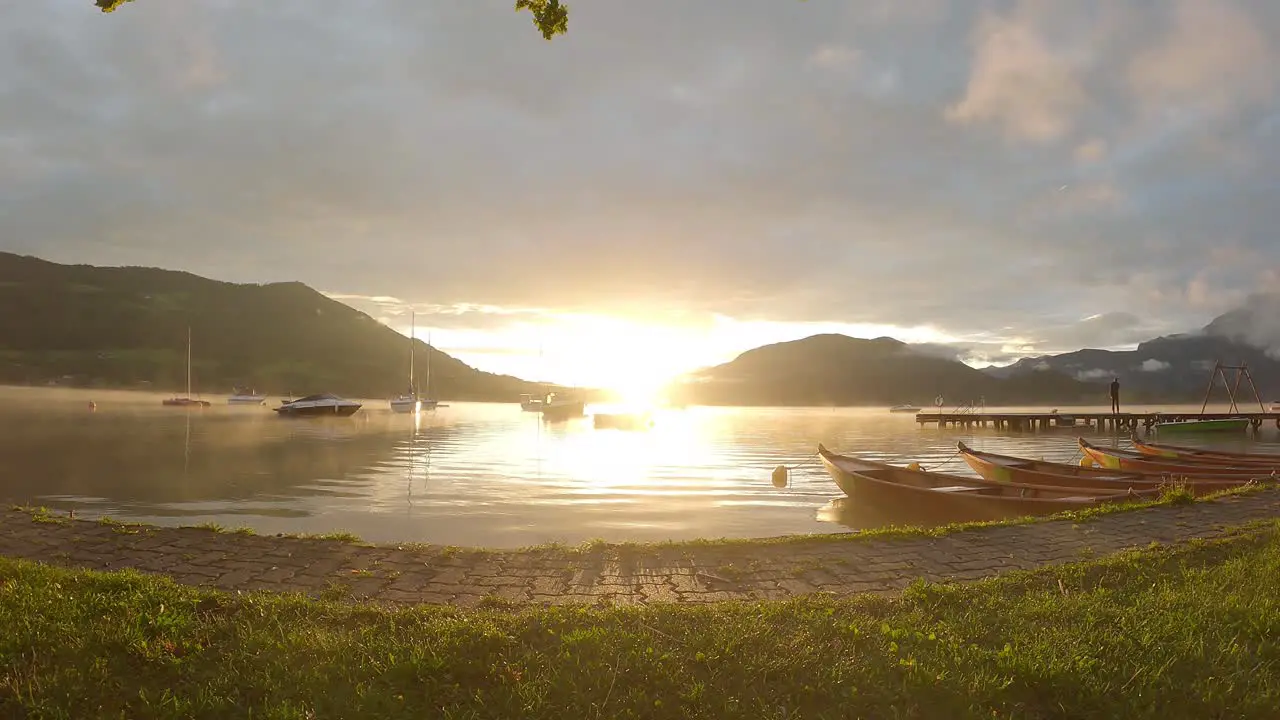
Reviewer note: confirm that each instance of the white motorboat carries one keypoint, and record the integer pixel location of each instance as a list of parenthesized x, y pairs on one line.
[(905, 409), (240, 397), (320, 405)]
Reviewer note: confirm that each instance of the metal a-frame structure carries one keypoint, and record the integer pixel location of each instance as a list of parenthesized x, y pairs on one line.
[(1242, 373)]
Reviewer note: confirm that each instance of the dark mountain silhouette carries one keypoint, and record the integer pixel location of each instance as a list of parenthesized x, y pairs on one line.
[(127, 326), (1177, 368), (839, 370)]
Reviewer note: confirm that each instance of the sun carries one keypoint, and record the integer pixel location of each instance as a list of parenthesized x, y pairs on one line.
[(632, 362)]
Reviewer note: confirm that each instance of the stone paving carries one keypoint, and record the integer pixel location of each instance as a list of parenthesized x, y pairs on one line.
[(620, 574)]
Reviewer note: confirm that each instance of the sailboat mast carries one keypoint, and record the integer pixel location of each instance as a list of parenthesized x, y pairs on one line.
[(188, 361), (412, 331)]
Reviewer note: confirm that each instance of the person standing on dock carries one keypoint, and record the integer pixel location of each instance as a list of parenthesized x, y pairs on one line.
[(1115, 396)]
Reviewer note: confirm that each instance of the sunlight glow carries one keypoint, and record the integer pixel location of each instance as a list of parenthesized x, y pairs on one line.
[(634, 358)]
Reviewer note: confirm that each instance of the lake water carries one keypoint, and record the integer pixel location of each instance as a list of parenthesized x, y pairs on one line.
[(468, 474)]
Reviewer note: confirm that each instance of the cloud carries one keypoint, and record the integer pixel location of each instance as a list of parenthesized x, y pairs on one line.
[(995, 171), (1153, 365), (1214, 56), (1020, 82)]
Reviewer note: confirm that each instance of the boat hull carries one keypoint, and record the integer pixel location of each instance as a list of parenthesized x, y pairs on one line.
[(962, 498), (405, 406), (563, 411), (319, 411), (1199, 455), (1189, 427), (1118, 459), (1009, 469), (185, 402), (247, 400)]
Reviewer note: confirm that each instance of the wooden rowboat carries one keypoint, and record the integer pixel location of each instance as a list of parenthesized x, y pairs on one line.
[(871, 482), (1118, 459), (1007, 468), (1197, 455)]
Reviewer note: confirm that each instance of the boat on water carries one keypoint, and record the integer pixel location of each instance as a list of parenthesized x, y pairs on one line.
[(1121, 459), (319, 405), (963, 497), (1010, 469), (1218, 425), (1214, 457), (186, 401), (411, 401), (529, 403), (240, 396), (905, 409), (555, 407)]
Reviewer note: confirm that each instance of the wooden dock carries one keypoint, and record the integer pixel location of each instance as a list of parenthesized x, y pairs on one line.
[(1101, 421)]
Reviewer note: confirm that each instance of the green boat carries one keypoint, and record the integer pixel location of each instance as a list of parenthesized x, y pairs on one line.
[(1177, 427)]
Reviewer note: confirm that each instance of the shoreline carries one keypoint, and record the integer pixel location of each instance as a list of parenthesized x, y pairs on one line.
[(338, 567)]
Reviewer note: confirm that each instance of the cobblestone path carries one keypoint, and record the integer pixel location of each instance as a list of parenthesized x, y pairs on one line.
[(620, 574)]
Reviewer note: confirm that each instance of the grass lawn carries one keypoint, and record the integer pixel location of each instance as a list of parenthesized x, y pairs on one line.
[(1184, 633)]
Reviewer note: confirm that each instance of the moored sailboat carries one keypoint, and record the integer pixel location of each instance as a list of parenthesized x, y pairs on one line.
[(412, 402), (186, 401)]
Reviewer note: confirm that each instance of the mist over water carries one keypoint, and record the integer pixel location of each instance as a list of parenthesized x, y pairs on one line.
[(468, 474)]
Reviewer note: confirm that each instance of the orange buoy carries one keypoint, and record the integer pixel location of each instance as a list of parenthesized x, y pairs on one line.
[(913, 465), (780, 476)]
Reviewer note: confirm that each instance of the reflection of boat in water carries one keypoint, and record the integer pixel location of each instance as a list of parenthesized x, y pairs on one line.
[(964, 498), (187, 401), (905, 409), (240, 397), (621, 421), (320, 405)]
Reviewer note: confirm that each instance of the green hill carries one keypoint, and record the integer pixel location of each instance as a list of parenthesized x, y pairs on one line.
[(127, 327), (838, 370)]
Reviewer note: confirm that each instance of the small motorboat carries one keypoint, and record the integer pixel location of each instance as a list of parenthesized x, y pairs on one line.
[(320, 405), (241, 397), (185, 402), (558, 408), (905, 409), (529, 403)]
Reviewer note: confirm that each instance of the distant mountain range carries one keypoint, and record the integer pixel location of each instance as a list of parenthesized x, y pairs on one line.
[(835, 370), (127, 327), (839, 370), (1177, 368)]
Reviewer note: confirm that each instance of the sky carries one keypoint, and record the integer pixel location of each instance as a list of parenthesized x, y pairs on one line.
[(670, 183)]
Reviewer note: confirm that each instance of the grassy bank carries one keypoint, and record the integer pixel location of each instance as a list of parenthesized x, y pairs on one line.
[(1170, 633)]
